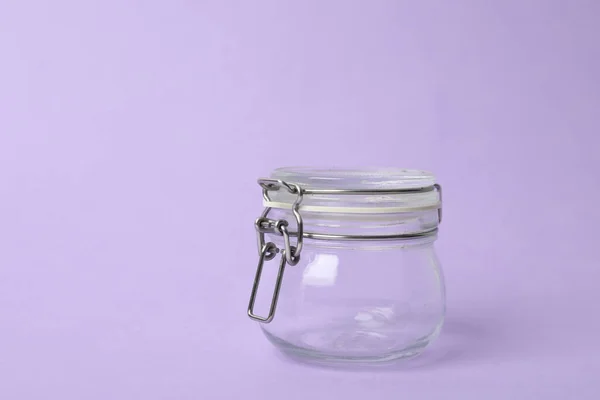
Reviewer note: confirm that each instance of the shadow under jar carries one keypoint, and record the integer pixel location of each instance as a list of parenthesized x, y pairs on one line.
[(358, 280)]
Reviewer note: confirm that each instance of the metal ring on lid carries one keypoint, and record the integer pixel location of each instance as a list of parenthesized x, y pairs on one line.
[(370, 191)]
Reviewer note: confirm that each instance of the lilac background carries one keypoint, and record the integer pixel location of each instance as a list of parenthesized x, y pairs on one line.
[(131, 134)]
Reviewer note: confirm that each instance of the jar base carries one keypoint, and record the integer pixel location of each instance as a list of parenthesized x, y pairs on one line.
[(378, 358)]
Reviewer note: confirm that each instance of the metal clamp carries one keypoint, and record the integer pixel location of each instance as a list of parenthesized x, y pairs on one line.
[(268, 252)]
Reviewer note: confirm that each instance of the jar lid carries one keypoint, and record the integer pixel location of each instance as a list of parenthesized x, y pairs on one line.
[(357, 191)]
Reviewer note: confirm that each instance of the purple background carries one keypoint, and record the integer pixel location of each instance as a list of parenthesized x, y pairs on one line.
[(131, 135)]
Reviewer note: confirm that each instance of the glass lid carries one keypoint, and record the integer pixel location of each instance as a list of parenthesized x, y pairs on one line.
[(355, 179)]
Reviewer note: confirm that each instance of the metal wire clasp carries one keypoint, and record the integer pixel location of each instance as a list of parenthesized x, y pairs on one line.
[(267, 251)]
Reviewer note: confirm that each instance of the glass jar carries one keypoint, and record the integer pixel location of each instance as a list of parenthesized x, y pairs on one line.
[(358, 280)]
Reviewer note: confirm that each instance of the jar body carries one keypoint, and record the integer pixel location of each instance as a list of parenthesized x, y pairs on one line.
[(363, 302)]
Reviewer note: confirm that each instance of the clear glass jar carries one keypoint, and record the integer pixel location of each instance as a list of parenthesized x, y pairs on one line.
[(364, 284)]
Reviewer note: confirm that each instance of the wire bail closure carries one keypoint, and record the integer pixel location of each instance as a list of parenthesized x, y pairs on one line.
[(291, 254), (267, 251)]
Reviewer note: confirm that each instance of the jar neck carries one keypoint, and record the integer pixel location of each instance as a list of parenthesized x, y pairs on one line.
[(352, 230)]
